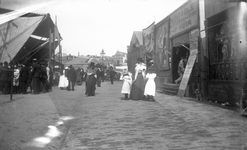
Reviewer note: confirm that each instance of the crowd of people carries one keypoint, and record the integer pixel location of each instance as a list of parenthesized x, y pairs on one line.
[(39, 78), (92, 76), (34, 75), (140, 86)]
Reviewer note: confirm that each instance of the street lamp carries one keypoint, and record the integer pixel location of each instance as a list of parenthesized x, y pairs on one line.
[(102, 55)]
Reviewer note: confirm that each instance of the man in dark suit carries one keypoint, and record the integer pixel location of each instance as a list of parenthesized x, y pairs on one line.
[(112, 74), (23, 79), (44, 77), (102, 75), (71, 78), (5, 78), (36, 77)]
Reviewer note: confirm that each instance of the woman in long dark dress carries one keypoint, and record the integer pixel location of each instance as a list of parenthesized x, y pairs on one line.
[(137, 90), (91, 80)]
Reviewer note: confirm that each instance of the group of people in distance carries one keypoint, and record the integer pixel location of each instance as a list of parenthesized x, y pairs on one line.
[(68, 78), (93, 77), (16, 77), (142, 85)]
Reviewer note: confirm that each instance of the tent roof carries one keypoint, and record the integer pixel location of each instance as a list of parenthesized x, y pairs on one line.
[(46, 23), (21, 44), (137, 38)]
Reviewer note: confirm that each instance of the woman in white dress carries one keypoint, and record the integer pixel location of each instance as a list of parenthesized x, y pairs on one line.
[(127, 82), (150, 86), (63, 81)]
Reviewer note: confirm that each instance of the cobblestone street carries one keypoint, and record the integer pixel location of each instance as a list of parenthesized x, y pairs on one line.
[(105, 121)]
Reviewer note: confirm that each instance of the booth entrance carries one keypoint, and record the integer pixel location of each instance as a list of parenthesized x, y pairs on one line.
[(177, 54)]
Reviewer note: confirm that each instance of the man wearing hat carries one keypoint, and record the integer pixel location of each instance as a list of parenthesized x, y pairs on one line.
[(24, 78), (71, 78), (36, 77), (112, 74), (44, 77)]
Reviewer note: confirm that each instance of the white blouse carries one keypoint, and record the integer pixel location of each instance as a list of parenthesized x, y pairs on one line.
[(140, 68)]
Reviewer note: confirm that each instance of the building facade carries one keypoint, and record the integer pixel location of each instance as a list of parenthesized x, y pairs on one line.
[(226, 25), (213, 36), (120, 58), (176, 36)]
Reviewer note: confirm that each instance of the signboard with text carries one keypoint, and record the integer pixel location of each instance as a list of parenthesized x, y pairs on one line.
[(187, 72), (194, 35), (184, 18)]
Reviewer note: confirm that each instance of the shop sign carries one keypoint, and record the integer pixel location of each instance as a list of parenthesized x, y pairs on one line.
[(184, 18), (187, 72)]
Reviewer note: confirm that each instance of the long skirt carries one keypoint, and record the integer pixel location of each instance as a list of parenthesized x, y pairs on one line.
[(90, 85), (63, 82), (36, 85), (137, 90), (150, 88)]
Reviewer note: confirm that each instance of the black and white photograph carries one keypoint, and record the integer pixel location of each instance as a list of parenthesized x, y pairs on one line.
[(123, 75)]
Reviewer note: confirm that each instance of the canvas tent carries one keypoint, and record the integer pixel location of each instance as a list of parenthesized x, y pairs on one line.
[(135, 50), (16, 42)]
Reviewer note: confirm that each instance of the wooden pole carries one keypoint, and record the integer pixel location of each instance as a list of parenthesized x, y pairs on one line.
[(54, 44), (11, 81), (49, 63)]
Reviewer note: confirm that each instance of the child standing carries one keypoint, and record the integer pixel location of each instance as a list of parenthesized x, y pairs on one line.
[(150, 86), (127, 82)]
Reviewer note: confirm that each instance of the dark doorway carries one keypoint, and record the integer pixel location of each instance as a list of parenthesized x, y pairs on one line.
[(177, 54)]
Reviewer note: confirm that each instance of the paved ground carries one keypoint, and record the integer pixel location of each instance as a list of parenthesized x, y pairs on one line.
[(25, 123), (108, 122)]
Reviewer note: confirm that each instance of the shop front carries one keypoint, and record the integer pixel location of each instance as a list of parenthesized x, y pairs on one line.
[(184, 35), (227, 50)]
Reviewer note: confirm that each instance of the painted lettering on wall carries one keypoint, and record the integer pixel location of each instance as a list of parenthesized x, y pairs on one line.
[(184, 18)]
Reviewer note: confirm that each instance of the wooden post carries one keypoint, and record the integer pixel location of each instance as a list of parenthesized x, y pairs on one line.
[(54, 46), (49, 63), (11, 81)]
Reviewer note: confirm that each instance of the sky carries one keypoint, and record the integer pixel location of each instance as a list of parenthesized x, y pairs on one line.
[(88, 26)]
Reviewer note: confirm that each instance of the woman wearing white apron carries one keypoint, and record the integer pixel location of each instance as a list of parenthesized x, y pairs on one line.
[(63, 81)]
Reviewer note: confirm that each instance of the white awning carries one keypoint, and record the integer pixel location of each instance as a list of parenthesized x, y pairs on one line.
[(14, 34)]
